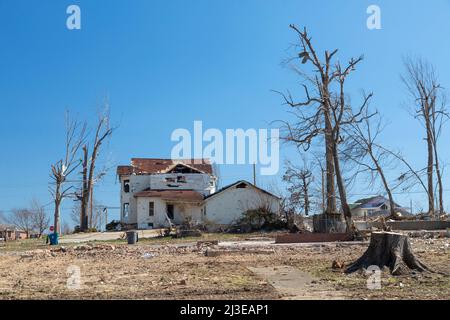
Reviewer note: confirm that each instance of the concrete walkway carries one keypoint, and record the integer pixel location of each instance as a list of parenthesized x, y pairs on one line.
[(294, 284)]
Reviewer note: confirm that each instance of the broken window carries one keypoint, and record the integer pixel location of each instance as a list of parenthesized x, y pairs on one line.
[(126, 186), (181, 179), (151, 209), (150, 225), (126, 207), (170, 211)]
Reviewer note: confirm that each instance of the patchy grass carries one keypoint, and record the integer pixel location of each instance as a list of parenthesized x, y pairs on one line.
[(174, 271), (22, 245)]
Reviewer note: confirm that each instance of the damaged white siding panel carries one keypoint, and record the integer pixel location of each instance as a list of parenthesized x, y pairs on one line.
[(182, 211), (182, 181), (227, 206), (144, 219)]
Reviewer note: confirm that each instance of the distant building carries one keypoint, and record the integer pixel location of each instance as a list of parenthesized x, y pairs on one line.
[(158, 192), (367, 208), (10, 232)]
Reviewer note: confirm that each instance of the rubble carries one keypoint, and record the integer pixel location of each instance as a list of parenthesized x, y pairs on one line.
[(83, 247), (337, 264), (207, 269), (240, 251)]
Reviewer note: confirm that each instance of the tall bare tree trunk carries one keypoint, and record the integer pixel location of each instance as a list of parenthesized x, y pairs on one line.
[(330, 167), (342, 193), (386, 187), (84, 192), (440, 186), (91, 207), (57, 202), (430, 169)]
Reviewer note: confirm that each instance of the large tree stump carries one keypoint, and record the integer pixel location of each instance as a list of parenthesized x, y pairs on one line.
[(389, 249)]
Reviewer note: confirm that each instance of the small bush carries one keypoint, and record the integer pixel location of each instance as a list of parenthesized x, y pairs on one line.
[(258, 220)]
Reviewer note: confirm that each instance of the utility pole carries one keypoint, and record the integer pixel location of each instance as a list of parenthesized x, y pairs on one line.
[(254, 174), (91, 203), (105, 210), (323, 190)]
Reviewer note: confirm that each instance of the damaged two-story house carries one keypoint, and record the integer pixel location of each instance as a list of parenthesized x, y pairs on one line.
[(158, 192)]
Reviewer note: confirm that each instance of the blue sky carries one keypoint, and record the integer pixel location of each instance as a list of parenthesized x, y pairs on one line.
[(164, 64)]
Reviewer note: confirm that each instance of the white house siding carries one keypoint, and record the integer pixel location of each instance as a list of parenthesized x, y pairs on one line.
[(143, 216), (194, 181), (137, 183), (203, 183), (227, 206), (182, 210), (359, 213)]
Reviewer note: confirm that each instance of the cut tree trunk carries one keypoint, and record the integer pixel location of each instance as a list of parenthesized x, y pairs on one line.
[(389, 249)]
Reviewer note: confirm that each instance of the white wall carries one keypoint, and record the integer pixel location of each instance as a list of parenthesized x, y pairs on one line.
[(194, 181), (227, 206), (359, 213), (181, 211), (143, 217)]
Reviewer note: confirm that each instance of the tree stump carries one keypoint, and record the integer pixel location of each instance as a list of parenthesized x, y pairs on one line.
[(389, 249)]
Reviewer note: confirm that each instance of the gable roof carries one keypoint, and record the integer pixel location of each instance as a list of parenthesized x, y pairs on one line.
[(237, 183), (151, 166), (372, 202)]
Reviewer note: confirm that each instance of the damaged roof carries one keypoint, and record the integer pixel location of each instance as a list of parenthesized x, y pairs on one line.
[(372, 202), (238, 183), (152, 166), (172, 195)]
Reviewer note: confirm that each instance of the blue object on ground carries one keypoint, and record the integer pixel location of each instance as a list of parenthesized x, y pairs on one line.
[(54, 237)]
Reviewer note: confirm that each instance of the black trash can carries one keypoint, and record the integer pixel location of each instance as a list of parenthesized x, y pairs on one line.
[(132, 237)]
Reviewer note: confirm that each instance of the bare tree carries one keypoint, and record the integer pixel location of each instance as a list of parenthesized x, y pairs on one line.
[(299, 180), (408, 178), (22, 219), (363, 149), (323, 113), (429, 108), (89, 174), (63, 168), (99, 213), (40, 219)]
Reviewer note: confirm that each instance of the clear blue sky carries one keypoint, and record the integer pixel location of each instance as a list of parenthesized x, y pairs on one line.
[(164, 64)]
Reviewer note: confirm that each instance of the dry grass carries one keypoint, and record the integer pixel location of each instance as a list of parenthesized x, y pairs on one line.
[(176, 269)]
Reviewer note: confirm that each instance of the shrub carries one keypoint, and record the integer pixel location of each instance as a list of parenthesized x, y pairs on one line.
[(257, 220)]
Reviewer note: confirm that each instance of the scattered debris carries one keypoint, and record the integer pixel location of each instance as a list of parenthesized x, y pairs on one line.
[(206, 243), (187, 233), (83, 247), (337, 264), (240, 251)]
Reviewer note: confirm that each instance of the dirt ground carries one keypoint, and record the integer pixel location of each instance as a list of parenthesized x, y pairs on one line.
[(237, 268)]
